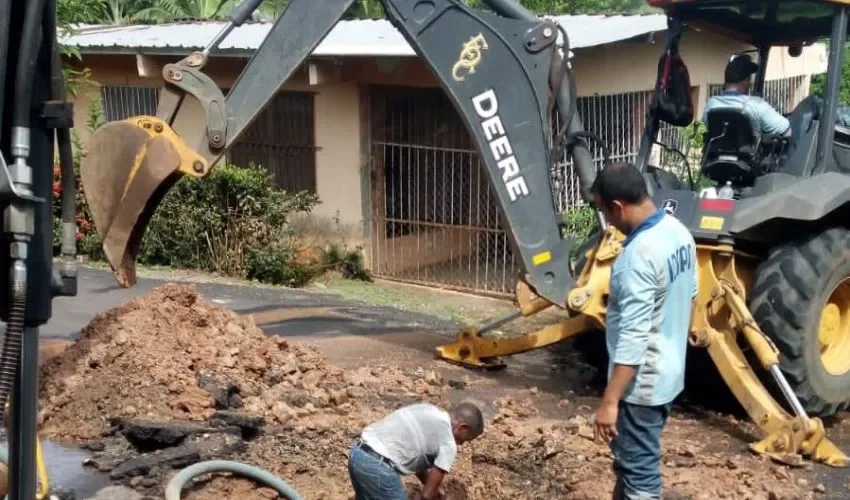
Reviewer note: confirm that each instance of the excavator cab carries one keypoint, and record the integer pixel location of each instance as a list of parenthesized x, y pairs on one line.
[(733, 152)]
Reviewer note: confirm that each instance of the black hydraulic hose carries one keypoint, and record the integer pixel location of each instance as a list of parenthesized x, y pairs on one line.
[(58, 92), (11, 349), (69, 184), (5, 13), (27, 57)]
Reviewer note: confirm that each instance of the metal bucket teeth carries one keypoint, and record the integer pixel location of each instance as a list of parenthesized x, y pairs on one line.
[(127, 169)]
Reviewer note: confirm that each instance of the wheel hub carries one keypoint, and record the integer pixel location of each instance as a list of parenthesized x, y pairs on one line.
[(834, 331)]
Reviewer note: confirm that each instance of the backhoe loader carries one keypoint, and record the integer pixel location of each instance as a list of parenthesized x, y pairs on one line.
[(774, 261)]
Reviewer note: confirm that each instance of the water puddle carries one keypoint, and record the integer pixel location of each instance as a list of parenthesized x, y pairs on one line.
[(65, 469)]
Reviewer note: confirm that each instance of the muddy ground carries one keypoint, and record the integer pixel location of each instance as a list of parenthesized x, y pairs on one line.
[(169, 379)]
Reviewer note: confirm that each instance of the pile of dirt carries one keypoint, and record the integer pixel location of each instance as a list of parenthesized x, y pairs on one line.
[(173, 355), (175, 358)]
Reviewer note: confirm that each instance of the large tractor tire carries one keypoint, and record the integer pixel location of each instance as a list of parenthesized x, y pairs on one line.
[(801, 299)]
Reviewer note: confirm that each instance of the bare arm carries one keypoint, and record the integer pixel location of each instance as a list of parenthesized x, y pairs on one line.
[(621, 377), (433, 480)]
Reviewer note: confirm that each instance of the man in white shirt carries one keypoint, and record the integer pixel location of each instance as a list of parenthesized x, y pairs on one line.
[(418, 439)]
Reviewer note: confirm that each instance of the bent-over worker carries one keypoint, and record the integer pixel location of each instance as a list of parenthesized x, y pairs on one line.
[(419, 439), (653, 285)]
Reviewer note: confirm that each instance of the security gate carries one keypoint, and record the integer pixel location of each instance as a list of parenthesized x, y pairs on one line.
[(435, 219)]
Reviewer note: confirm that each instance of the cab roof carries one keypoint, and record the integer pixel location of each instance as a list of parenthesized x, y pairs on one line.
[(769, 22)]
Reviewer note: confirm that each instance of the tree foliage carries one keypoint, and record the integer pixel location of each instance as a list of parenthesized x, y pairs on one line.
[(819, 81)]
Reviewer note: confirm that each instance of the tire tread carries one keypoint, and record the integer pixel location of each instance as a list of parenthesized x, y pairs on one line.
[(784, 287)]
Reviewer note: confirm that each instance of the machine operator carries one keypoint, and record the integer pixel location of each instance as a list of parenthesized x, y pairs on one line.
[(735, 93)]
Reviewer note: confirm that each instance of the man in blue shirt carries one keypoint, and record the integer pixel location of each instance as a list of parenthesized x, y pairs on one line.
[(652, 290), (736, 88)]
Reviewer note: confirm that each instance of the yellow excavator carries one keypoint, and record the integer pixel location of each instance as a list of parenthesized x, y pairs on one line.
[(774, 257)]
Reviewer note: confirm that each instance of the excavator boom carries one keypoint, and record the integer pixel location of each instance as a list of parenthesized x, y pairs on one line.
[(503, 71)]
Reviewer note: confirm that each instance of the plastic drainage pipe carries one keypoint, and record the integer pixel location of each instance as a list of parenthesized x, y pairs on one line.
[(175, 486)]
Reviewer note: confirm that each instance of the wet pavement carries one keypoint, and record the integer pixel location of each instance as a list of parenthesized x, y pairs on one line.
[(64, 468), (276, 310)]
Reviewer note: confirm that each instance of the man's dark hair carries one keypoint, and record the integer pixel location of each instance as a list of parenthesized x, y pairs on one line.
[(739, 69), (471, 415), (621, 182)]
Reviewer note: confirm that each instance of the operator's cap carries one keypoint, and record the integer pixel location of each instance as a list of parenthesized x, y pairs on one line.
[(740, 68)]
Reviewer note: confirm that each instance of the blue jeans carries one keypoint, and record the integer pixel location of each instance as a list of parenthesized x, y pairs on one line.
[(373, 479), (637, 451)]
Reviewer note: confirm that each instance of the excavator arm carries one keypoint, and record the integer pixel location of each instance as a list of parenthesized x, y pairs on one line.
[(503, 70)]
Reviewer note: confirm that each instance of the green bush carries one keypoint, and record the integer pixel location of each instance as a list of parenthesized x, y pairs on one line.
[(233, 222), (349, 263), (276, 265)]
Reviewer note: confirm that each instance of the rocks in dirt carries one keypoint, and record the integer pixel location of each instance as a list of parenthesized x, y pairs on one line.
[(249, 425), (226, 395), (196, 449), (172, 458), (456, 383), (147, 435)]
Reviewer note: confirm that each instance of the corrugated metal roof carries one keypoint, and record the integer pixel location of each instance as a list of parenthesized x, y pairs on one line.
[(347, 38)]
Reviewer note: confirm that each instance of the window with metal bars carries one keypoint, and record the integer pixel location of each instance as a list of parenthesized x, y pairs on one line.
[(123, 101), (281, 138)]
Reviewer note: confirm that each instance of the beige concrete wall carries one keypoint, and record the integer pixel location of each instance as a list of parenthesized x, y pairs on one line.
[(339, 217), (338, 160)]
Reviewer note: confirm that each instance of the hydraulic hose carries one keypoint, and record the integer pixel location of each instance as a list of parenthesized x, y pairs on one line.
[(19, 221), (58, 92), (5, 14), (179, 481), (27, 56)]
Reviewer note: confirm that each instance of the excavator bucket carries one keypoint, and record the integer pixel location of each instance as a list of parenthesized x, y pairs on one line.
[(127, 168)]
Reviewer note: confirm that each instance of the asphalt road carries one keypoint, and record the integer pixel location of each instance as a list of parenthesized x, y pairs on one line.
[(323, 314)]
